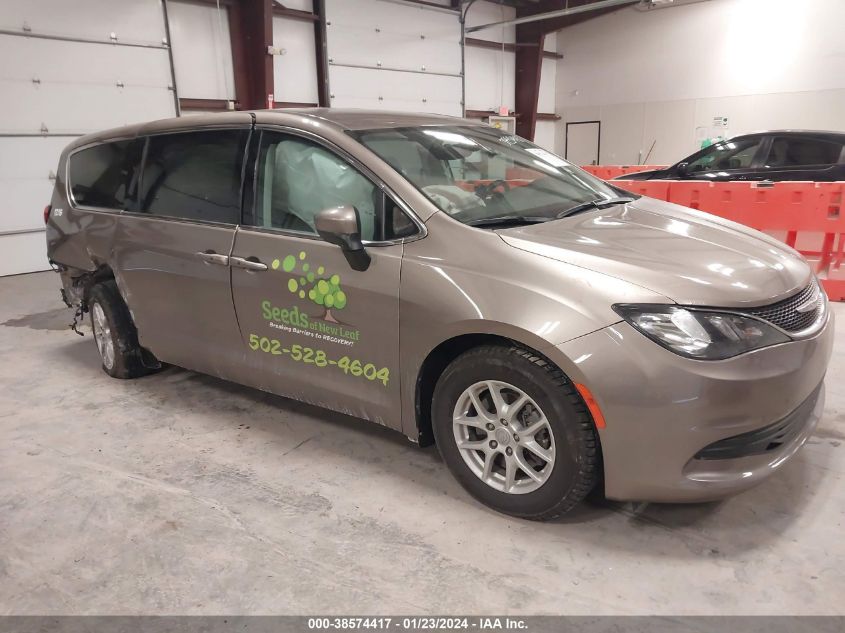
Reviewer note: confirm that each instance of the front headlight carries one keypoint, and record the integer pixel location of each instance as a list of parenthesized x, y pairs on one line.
[(698, 333)]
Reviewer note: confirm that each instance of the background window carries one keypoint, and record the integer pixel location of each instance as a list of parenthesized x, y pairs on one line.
[(104, 175), (194, 175), (297, 179), (795, 152)]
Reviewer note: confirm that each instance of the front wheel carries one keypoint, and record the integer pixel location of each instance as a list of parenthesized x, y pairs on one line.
[(515, 433)]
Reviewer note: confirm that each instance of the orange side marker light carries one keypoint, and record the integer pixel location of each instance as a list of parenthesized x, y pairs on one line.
[(592, 405)]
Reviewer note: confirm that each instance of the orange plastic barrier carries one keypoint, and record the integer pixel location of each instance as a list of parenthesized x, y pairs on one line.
[(607, 172), (689, 193), (520, 173), (652, 188), (805, 212)]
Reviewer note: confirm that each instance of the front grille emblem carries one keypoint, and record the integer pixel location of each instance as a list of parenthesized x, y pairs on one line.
[(809, 304), (795, 314)]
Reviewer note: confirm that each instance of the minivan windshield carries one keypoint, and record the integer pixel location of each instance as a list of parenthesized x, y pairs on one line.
[(483, 176)]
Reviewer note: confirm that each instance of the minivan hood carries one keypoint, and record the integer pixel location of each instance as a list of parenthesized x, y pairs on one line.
[(691, 257)]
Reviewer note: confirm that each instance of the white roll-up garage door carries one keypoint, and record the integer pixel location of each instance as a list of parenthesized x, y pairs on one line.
[(68, 69), (394, 56)]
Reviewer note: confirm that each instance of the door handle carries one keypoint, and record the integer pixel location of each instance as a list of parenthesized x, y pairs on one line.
[(247, 263), (210, 257)]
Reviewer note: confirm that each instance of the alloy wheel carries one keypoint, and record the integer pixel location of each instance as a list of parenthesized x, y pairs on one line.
[(102, 335), (503, 437)]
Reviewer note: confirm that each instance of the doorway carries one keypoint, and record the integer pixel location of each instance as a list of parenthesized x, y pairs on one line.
[(583, 142)]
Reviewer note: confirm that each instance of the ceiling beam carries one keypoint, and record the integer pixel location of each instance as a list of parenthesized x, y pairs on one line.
[(550, 14), (294, 14), (498, 46), (552, 24), (452, 6)]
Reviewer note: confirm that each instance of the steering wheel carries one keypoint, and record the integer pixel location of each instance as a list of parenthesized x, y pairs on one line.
[(485, 192)]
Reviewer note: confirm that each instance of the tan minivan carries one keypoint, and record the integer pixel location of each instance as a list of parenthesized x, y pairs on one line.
[(453, 282)]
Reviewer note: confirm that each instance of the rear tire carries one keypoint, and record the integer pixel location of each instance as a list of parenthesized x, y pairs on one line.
[(116, 336), (537, 422)]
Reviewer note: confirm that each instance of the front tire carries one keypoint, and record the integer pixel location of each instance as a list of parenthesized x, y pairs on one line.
[(115, 334), (515, 432)]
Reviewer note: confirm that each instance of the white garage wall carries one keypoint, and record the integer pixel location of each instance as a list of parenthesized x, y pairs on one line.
[(55, 88), (378, 48), (135, 21), (301, 5), (490, 74), (393, 56), (662, 75), (202, 51), (295, 70)]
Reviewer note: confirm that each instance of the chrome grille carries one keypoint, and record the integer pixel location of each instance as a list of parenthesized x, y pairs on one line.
[(785, 315)]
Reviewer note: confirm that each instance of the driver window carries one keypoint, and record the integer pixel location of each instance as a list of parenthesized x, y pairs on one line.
[(727, 155), (296, 179)]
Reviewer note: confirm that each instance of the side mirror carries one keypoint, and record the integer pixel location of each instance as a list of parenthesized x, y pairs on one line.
[(682, 169), (342, 226)]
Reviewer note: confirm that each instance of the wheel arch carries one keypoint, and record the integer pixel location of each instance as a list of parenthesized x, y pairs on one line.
[(439, 358), (102, 273), (77, 284)]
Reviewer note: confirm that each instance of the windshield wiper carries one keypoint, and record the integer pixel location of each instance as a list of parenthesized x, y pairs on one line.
[(601, 203), (509, 220)]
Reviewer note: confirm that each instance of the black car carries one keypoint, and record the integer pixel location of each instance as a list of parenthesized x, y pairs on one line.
[(775, 155)]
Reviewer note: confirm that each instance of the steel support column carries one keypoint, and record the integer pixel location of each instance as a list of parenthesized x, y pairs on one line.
[(251, 24), (529, 64), (529, 59), (320, 50)]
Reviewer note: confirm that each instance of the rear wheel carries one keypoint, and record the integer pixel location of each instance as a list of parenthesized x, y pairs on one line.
[(116, 336), (514, 431)]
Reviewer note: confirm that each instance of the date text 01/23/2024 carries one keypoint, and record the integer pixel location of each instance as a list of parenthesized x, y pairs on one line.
[(318, 358), (421, 623)]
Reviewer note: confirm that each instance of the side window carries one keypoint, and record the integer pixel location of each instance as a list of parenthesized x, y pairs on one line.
[(104, 175), (797, 152), (296, 179), (194, 175), (736, 154)]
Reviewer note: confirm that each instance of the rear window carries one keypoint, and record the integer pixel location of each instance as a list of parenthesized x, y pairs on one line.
[(103, 175), (194, 175)]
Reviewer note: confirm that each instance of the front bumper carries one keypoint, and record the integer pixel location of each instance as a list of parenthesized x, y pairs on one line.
[(664, 411)]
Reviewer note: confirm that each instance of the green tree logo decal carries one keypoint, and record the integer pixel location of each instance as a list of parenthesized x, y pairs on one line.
[(320, 288)]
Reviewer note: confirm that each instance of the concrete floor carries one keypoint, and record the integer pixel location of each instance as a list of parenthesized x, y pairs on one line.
[(179, 493)]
